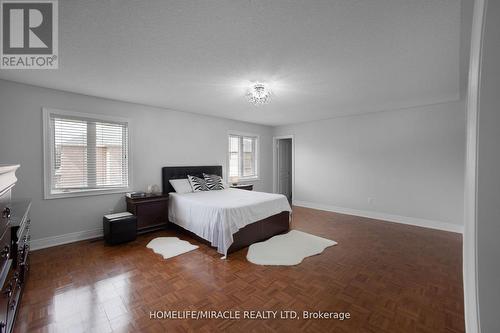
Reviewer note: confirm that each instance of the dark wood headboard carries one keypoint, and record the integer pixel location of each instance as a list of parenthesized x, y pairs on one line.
[(179, 172)]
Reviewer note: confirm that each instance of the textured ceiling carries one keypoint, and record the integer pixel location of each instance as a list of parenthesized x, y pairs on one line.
[(323, 58)]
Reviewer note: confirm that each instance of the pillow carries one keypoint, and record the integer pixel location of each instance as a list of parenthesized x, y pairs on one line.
[(181, 185), (197, 184), (214, 182)]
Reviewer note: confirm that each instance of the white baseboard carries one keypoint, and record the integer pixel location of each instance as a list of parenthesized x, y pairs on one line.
[(43, 243), (383, 216)]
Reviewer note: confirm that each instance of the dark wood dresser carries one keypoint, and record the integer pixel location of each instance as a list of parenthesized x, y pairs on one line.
[(151, 212), (14, 249)]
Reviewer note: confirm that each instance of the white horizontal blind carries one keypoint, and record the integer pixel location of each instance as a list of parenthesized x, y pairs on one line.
[(234, 156), (87, 154), (243, 156)]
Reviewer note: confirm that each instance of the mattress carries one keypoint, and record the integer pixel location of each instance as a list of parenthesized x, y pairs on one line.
[(216, 215)]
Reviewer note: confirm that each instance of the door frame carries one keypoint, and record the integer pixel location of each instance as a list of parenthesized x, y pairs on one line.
[(275, 163)]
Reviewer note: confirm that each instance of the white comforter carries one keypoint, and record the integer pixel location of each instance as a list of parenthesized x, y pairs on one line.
[(217, 215)]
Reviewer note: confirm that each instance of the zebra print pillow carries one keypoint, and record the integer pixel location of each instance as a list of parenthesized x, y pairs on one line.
[(198, 184), (214, 182)]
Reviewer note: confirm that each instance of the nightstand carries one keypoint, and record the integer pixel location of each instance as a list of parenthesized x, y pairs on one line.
[(151, 212), (248, 187)]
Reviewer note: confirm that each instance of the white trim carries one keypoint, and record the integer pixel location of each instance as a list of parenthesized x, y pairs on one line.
[(72, 237), (275, 162), (7, 177), (470, 280), (445, 226), (87, 193), (47, 153), (257, 156)]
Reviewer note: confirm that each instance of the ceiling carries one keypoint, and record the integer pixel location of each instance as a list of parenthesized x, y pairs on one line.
[(322, 58)]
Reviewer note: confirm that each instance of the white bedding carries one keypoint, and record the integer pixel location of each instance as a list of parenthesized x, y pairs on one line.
[(217, 215)]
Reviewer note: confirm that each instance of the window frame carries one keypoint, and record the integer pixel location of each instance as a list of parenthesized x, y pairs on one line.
[(48, 152), (257, 155)]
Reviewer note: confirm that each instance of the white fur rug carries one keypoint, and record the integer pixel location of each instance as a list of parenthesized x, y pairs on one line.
[(169, 247), (288, 249)]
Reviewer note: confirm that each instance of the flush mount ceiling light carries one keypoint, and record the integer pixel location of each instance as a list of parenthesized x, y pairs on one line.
[(258, 94)]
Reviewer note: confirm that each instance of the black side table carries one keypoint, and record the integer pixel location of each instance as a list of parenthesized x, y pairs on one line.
[(248, 187)]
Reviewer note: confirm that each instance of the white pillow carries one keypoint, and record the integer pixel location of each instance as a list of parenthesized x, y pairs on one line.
[(181, 185)]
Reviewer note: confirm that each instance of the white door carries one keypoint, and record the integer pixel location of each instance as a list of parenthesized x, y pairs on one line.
[(285, 167)]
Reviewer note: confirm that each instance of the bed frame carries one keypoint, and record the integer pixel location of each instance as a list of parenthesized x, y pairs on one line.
[(252, 233)]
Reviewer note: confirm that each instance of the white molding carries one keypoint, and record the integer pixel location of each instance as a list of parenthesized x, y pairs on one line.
[(7, 177), (87, 193), (383, 216), (275, 161), (470, 279), (42, 243)]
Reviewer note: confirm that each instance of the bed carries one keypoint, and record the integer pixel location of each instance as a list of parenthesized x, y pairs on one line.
[(228, 219)]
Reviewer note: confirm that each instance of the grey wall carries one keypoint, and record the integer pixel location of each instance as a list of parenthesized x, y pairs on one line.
[(465, 40), (158, 138), (405, 162), (488, 175)]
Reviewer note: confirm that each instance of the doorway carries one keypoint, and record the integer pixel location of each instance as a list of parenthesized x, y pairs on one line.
[(283, 174)]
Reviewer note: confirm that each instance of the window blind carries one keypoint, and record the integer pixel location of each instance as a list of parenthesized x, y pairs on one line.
[(87, 154), (242, 156)]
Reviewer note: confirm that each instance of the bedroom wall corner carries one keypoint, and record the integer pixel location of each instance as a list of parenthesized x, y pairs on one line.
[(407, 163)]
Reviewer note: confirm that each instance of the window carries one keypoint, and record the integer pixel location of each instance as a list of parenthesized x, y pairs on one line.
[(243, 156), (84, 154)]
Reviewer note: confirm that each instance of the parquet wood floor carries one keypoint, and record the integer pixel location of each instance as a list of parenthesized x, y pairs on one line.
[(389, 277)]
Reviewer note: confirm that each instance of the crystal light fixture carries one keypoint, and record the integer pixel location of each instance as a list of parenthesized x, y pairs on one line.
[(258, 94)]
